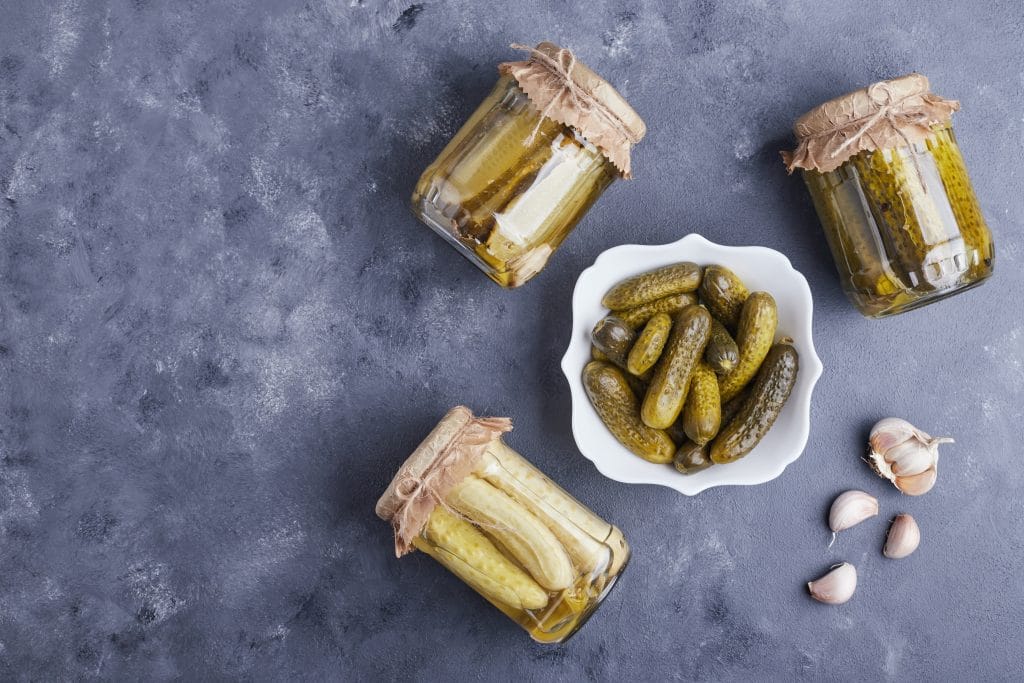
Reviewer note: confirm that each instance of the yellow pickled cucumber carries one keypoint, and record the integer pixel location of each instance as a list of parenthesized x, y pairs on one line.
[(618, 408), (723, 293), (648, 346), (530, 542), (567, 507), (635, 317), (702, 413), (653, 285), (588, 554), (722, 354), (754, 336), (691, 457), (468, 554), (671, 382)]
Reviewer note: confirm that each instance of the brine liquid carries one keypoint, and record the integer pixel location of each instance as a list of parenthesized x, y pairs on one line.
[(904, 225), (597, 549), (510, 186)]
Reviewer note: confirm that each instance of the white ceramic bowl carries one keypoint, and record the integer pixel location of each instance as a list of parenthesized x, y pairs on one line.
[(761, 269)]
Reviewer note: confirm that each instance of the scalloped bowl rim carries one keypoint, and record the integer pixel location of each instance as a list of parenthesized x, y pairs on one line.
[(762, 269)]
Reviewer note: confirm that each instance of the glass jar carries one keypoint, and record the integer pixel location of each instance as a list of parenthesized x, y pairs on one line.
[(498, 523), (518, 176), (902, 220)]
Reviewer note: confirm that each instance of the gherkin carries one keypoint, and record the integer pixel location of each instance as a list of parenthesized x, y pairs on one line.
[(903, 224)]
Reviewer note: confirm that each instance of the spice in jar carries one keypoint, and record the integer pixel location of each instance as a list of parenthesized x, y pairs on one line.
[(891, 189), (526, 166), (494, 520)]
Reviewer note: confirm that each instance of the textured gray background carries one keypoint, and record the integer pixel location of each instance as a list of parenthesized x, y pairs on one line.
[(221, 330)]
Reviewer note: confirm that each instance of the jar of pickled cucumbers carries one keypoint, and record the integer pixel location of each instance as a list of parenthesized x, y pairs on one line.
[(495, 521), (891, 189), (526, 166)]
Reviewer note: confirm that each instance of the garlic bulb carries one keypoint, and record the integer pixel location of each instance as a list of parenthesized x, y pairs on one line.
[(903, 539), (850, 508), (905, 455), (837, 586)]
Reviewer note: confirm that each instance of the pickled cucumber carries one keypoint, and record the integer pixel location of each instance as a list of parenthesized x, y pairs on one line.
[(724, 294), (546, 501), (692, 458), (618, 408), (614, 338), (774, 383), (468, 554), (702, 412), (514, 466), (526, 538), (649, 345), (653, 285), (722, 354), (671, 382), (638, 315), (755, 333), (903, 224), (597, 354)]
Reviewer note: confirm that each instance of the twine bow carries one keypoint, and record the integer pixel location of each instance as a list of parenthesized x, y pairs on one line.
[(561, 81), (419, 494)]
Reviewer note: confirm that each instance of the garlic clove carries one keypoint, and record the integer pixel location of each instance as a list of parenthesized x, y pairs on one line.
[(851, 508), (909, 458), (835, 587), (917, 484), (903, 538), (890, 432)]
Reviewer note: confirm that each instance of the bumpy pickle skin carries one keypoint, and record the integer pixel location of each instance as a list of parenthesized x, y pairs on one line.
[(468, 554), (648, 346), (515, 528), (756, 331), (722, 354), (691, 457), (964, 203), (903, 224), (724, 294), (774, 383), (638, 316), (702, 412), (641, 289), (666, 394), (618, 408)]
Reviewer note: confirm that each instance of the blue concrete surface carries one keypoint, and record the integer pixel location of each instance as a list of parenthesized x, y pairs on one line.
[(221, 330)]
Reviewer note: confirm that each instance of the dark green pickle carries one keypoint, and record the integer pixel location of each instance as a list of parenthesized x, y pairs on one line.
[(775, 381), (904, 225), (614, 338)]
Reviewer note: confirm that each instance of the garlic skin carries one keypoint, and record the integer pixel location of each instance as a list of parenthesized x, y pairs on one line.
[(903, 538), (835, 587), (850, 508), (905, 455)]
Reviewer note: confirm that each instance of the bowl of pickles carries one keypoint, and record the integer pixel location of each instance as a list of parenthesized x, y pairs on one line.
[(691, 364)]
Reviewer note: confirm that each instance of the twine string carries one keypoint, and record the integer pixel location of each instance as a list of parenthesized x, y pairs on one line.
[(887, 111), (561, 81), (416, 493)]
